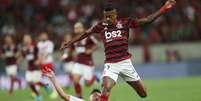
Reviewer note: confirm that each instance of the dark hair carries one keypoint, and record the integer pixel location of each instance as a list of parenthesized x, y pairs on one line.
[(109, 7), (95, 91)]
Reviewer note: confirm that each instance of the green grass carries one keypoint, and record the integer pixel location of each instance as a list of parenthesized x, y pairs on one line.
[(180, 89)]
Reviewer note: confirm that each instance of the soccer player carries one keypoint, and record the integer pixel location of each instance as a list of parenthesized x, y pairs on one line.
[(67, 58), (33, 74), (10, 53), (115, 33), (45, 55), (84, 66), (94, 96)]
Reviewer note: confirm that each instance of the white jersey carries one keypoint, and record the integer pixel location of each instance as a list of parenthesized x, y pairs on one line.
[(72, 98), (46, 49)]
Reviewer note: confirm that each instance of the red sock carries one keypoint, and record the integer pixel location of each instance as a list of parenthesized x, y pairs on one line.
[(78, 90), (19, 82), (11, 86), (103, 98)]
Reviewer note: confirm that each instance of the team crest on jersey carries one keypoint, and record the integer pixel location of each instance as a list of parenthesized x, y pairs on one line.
[(119, 25)]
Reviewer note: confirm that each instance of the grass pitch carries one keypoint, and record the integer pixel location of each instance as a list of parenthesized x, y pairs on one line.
[(180, 89)]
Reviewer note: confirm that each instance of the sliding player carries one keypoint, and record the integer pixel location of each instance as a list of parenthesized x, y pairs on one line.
[(94, 96), (115, 33)]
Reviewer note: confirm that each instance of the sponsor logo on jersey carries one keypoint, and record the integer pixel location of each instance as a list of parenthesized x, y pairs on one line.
[(113, 34)]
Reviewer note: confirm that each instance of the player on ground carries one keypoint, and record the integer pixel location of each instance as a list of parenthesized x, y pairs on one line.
[(33, 74), (45, 55), (67, 58), (94, 96), (115, 33), (84, 66), (10, 53)]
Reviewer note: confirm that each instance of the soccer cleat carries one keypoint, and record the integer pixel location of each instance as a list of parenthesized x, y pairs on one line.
[(47, 89), (38, 98)]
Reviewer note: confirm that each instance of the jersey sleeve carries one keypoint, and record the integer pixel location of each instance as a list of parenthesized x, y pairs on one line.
[(132, 22), (93, 40), (95, 28)]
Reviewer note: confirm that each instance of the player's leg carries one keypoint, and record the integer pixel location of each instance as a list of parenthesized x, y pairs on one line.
[(89, 75), (129, 74), (68, 67), (77, 86), (77, 72), (14, 75), (37, 80), (107, 85), (12, 72), (109, 77), (30, 79), (11, 85), (138, 86), (54, 93)]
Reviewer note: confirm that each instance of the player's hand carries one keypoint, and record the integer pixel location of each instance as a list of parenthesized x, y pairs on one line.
[(49, 74), (170, 3), (168, 6), (65, 44)]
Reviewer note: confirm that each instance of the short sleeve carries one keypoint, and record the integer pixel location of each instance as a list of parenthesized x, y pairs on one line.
[(132, 23)]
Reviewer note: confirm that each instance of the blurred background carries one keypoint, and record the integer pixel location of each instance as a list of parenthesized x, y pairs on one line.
[(168, 48)]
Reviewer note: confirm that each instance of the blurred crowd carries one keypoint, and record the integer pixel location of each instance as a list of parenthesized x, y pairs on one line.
[(56, 17)]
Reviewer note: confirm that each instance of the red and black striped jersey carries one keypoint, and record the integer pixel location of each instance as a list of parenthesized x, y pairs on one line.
[(10, 54), (67, 56), (80, 49), (31, 55), (115, 38)]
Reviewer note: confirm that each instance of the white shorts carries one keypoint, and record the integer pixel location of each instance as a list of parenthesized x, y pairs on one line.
[(68, 67), (85, 71), (11, 70), (33, 76), (124, 69)]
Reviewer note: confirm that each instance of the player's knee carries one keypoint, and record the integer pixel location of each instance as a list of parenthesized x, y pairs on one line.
[(76, 80), (107, 86), (87, 83)]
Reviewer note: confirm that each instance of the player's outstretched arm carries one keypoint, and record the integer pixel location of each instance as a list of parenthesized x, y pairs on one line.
[(149, 19), (75, 39), (50, 74)]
